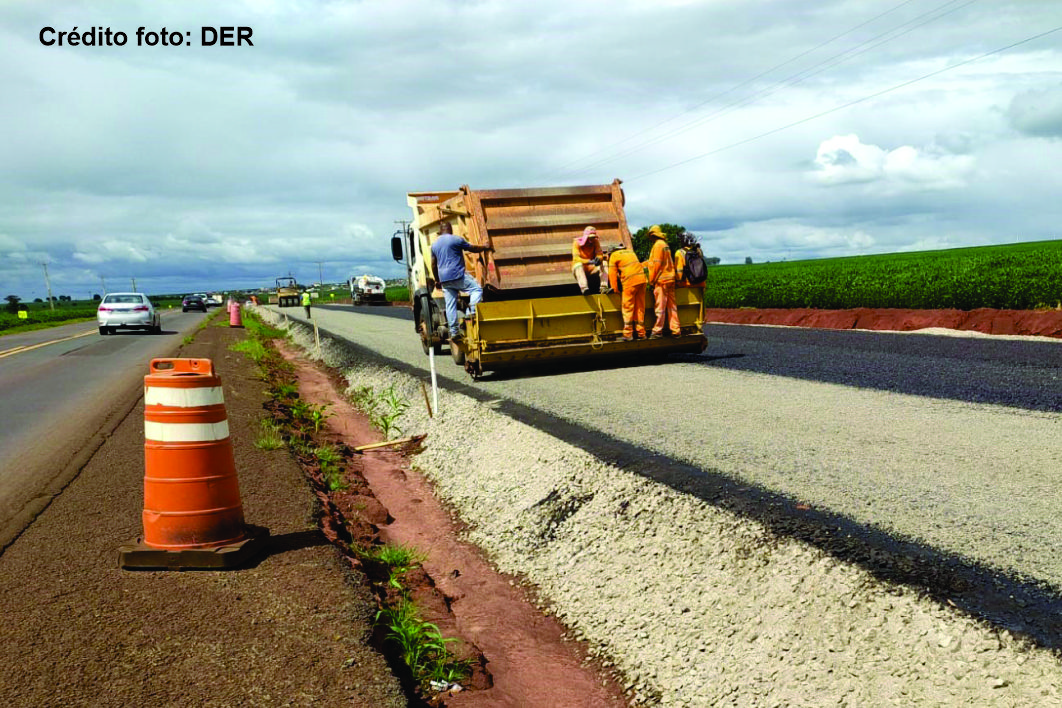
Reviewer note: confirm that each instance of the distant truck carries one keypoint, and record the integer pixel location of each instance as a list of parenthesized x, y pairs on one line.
[(368, 290), (532, 310)]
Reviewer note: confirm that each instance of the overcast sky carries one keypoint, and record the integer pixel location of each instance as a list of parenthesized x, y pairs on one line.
[(192, 168)]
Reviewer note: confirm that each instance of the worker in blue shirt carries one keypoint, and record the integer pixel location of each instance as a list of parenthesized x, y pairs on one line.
[(448, 268)]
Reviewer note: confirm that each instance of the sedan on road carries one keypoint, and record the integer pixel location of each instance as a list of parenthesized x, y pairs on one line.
[(127, 311), (193, 302)]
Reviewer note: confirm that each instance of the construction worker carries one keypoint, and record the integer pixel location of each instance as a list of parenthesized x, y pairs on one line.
[(626, 274), (588, 262), (448, 269), (689, 251), (306, 302), (660, 269)]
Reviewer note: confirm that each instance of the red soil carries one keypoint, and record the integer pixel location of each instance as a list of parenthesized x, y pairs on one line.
[(1044, 323)]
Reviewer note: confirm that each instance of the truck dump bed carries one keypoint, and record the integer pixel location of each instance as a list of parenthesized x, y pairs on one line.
[(531, 230), (532, 309)]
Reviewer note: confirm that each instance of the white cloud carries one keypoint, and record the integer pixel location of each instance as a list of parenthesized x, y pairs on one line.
[(844, 159)]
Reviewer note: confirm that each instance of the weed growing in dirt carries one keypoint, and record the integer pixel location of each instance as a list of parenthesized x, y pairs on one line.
[(382, 409), (318, 415), (397, 559), (269, 437), (330, 462), (187, 339), (284, 391), (422, 645)]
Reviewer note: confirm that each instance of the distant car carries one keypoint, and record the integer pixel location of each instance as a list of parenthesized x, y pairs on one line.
[(213, 300), (193, 302), (127, 311)]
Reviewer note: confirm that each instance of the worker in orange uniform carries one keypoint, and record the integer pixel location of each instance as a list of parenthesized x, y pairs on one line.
[(588, 262), (626, 274), (661, 271)]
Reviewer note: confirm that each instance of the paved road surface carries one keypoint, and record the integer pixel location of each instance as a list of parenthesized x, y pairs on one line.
[(951, 443), (56, 399)]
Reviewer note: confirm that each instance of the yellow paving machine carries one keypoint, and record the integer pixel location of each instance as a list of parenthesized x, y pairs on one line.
[(532, 309)]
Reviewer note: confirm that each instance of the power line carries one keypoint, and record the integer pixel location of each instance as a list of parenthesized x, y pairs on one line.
[(746, 82), (793, 79), (846, 105)]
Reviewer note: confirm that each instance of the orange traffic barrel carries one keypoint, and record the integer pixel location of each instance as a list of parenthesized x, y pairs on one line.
[(193, 516), (234, 315)]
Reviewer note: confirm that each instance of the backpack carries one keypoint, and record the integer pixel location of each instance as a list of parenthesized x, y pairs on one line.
[(694, 270)]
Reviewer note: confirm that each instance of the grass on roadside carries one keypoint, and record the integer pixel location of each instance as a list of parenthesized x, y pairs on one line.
[(270, 436), (421, 645)]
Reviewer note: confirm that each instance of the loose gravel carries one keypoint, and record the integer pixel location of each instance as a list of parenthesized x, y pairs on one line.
[(693, 605)]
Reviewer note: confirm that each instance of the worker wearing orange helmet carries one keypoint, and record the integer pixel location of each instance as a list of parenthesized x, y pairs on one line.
[(588, 262), (660, 269), (626, 274)]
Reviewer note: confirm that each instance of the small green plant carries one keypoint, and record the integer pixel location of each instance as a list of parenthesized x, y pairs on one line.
[(269, 437), (398, 560), (318, 415), (187, 339), (422, 646), (331, 467), (382, 409), (284, 390)]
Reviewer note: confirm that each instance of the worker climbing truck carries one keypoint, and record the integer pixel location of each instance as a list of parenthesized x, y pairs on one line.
[(532, 310), (287, 292)]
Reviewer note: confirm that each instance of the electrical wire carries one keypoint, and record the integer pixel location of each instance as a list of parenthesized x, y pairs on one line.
[(793, 79), (565, 166), (846, 105)]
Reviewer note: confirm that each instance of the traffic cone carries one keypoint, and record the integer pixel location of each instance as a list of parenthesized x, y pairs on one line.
[(234, 315), (193, 516)]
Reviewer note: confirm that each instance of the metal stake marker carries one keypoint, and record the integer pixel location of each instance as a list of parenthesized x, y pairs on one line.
[(434, 381)]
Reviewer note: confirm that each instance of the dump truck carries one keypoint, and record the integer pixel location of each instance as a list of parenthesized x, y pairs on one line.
[(532, 309), (287, 292), (368, 289)]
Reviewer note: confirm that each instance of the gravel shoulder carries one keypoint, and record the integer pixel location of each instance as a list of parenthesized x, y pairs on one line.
[(974, 481), (696, 605), (289, 630)]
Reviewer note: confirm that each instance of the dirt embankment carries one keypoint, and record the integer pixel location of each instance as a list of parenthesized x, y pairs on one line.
[(1043, 323)]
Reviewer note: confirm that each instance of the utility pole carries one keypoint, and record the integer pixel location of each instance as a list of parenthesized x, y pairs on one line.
[(134, 285), (103, 282), (320, 273), (48, 284), (403, 223)]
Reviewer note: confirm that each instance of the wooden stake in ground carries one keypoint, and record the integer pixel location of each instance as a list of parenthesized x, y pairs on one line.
[(424, 390), (388, 443), (317, 338)]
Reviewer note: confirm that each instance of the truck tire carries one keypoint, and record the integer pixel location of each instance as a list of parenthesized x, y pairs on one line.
[(424, 322)]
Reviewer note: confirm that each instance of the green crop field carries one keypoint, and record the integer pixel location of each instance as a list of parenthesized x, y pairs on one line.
[(1022, 276)]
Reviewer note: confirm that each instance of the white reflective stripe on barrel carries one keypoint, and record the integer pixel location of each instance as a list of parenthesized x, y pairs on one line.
[(185, 432), (183, 397)]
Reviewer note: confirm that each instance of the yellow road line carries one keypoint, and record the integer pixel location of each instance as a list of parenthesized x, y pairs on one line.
[(28, 347)]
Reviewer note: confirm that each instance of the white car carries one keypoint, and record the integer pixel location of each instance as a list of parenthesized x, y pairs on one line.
[(127, 311)]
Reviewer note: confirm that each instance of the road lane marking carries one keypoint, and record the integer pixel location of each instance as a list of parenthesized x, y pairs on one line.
[(18, 350), (28, 347)]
